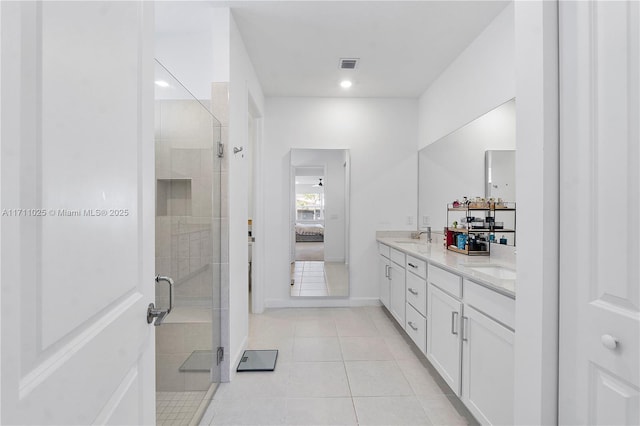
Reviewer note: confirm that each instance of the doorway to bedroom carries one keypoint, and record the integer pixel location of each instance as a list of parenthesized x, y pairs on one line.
[(309, 214), (307, 269)]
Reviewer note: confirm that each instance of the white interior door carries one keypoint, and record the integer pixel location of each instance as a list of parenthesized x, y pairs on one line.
[(77, 249), (599, 381)]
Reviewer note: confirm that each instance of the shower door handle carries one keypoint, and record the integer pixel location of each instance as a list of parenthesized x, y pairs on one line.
[(160, 314)]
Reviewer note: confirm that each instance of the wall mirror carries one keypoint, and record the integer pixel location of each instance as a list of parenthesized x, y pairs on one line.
[(500, 174), (319, 222), (477, 159)]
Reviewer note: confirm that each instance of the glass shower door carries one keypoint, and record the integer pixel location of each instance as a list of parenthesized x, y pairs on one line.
[(187, 249)]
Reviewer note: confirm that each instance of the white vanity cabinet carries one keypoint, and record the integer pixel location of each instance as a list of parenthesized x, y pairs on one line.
[(383, 274), (444, 313), (465, 328), (488, 354), (397, 286)]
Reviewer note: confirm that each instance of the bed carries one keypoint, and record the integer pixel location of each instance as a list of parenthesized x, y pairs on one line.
[(309, 232)]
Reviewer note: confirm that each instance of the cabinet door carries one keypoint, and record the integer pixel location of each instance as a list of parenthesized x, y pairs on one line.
[(383, 280), (443, 335), (487, 369), (396, 292)]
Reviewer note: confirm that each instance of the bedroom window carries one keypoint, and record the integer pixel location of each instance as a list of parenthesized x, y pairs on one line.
[(310, 206)]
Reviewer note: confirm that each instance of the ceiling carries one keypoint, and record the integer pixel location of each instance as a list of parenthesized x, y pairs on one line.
[(295, 46)]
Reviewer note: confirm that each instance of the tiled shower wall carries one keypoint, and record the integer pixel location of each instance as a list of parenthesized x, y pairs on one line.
[(188, 239)]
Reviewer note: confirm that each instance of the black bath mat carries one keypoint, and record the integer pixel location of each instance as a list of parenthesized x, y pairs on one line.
[(258, 360)]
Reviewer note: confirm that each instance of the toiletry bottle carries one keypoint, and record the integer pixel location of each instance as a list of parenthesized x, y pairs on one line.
[(503, 240)]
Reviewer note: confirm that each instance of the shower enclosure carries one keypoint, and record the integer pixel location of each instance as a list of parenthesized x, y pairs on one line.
[(188, 249)]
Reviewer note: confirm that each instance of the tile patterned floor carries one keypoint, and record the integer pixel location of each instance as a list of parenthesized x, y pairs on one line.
[(309, 279), (319, 279), (177, 408), (336, 366)]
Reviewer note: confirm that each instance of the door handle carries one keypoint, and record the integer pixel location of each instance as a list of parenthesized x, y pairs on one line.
[(386, 271), (454, 315), (412, 265), (412, 326), (160, 314), (412, 291)]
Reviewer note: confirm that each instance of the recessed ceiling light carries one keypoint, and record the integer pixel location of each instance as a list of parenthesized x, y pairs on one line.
[(345, 84), (162, 83)]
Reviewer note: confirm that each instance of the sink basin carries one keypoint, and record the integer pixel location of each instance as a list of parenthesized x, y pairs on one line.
[(496, 271), (406, 244), (414, 246)]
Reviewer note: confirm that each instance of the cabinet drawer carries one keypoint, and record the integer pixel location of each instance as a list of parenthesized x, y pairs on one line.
[(417, 293), (417, 266), (451, 283), (397, 256), (416, 327), (490, 303), (384, 250)]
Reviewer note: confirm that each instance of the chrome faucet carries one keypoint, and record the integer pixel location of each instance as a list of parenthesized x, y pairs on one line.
[(416, 235)]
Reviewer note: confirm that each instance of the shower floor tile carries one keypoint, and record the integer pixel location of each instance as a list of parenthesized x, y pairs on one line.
[(177, 408)]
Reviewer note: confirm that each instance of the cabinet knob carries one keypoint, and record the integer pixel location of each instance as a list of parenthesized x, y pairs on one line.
[(609, 342)]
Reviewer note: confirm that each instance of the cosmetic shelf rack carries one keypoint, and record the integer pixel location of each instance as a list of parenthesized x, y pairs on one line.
[(473, 227)]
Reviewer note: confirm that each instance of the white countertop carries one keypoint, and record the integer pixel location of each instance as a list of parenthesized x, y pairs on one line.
[(457, 263)]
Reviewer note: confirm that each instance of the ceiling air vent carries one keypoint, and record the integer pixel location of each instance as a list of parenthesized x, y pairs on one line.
[(348, 63)]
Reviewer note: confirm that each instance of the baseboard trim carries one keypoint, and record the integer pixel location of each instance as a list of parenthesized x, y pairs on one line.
[(317, 302)]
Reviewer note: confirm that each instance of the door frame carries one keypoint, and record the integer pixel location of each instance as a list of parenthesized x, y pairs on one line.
[(258, 231), (537, 180)]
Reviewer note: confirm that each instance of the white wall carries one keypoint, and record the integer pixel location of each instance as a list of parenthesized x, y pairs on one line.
[(381, 135), (183, 43), (478, 80), (243, 84)]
